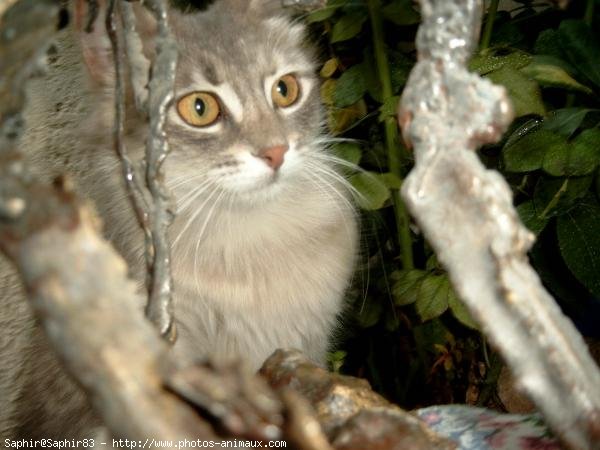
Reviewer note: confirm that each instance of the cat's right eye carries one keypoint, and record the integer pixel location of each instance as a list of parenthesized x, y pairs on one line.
[(199, 109), (285, 91)]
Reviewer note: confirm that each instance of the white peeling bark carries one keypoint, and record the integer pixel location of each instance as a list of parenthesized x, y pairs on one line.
[(467, 215)]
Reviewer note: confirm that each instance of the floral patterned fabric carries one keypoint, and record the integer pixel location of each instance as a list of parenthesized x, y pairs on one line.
[(481, 429)]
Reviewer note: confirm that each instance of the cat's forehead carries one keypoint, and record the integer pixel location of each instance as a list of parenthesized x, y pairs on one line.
[(221, 44)]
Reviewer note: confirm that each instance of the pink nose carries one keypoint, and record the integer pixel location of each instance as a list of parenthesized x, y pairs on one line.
[(273, 156)]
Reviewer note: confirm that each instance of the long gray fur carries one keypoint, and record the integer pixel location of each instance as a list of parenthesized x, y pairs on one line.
[(259, 261)]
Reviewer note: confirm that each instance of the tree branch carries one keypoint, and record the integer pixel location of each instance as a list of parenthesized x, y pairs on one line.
[(466, 213)]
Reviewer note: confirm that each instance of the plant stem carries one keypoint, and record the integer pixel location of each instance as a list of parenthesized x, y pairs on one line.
[(554, 201), (490, 384), (589, 12), (489, 25), (391, 134)]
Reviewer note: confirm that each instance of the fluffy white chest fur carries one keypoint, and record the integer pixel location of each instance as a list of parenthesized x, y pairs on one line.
[(266, 278)]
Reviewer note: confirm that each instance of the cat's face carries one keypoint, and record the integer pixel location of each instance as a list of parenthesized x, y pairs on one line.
[(246, 112)]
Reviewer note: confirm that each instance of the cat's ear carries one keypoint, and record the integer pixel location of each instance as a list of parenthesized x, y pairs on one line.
[(91, 32)]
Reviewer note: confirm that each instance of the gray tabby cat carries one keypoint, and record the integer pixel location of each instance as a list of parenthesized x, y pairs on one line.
[(265, 237)]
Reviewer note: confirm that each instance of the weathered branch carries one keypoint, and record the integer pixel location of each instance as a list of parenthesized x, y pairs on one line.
[(76, 282), (351, 414), (136, 191), (160, 309), (152, 202), (139, 65), (466, 213)]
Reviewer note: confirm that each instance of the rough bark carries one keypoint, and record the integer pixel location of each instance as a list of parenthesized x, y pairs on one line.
[(466, 214), (352, 416)]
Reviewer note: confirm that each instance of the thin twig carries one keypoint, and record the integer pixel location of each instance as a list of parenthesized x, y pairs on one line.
[(159, 308), (135, 190), (139, 65), (151, 203)]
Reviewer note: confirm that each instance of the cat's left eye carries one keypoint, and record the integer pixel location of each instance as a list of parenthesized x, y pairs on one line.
[(199, 109), (285, 91)]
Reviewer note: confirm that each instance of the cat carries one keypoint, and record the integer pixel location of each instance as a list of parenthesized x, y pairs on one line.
[(264, 241)]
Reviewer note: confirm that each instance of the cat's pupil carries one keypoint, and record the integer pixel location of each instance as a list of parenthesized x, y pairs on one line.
[(200, 106), (282, 88)]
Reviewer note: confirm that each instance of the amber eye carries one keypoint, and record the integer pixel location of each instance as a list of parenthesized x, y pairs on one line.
[(199, 109), (285, 91)]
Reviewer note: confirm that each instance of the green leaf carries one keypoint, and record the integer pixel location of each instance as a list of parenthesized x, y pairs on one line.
[(350, 87), (321, 14), (529, 126), (391, 180), (527, 153), (347, 27), (340, 119), (400, 68), (531, 217), (548, 43), (579, 243), (545, 71), (565, 121), (389, 108), (432, 263), (490, 61), (326, 12), (432, 299), (348, 151), (329, 68), (589, 142), (431, 333), (406, 285), (369, 313), (336, 360), (581, 47), (524, 93), (555, 61), (460, 311), (374, 192), (574, 159), (401, 13), (328, 89), (554, 196)]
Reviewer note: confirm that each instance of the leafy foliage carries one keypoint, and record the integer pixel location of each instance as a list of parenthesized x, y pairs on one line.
[(410, 335)]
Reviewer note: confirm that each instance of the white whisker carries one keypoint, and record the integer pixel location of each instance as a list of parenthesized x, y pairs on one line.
[(201, 234), (187, 199), (316, 180), (194, 216), (332, 174)]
